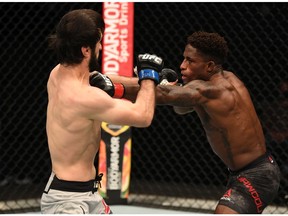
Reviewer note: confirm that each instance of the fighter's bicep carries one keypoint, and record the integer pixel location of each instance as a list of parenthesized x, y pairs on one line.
[(189, 97), (204, 92), (177, 96)]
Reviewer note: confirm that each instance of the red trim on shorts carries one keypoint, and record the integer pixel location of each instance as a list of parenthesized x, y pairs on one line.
[(254, 194), (106, 207)]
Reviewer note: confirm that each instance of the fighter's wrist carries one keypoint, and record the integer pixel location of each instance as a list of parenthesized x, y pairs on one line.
[(148, 74), (119, 90)]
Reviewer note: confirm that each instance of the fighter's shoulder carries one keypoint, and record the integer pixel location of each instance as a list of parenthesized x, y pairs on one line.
[(92, 93), (54, 71), (195, 84), (233, 79), (230, 75)]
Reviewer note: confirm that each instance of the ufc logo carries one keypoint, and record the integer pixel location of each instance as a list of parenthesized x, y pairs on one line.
[(152, 58), (107, 80)]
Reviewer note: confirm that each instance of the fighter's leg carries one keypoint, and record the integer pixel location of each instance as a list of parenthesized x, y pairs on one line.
[(221, 209)]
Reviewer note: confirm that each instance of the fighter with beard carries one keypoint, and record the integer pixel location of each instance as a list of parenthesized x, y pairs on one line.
[(76, 109)]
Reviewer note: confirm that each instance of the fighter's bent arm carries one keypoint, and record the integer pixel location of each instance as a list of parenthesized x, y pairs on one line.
[(130, 83)]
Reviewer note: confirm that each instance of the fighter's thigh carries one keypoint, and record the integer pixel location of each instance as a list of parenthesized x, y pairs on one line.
[(98, 205), (233, 201), (72, 208), (221, 209)]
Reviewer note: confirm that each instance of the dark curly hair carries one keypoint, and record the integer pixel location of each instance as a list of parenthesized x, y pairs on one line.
[(211, 45), (78, 28)]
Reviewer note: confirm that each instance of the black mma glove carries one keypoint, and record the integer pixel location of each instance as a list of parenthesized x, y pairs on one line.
[(167, 75), (115, 90), (148, 67)]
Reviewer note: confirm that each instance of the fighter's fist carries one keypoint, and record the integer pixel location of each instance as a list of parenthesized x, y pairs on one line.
[(149, 66), (167, 76), (115, 90)]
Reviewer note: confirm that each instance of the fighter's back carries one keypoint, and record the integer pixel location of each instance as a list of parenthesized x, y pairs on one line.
[(73, 139)]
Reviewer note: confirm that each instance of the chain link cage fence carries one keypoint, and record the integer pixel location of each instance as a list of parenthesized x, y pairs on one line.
[(173, 165)]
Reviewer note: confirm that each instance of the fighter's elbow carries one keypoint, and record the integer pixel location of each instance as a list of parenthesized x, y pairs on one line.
[(144, 121), (182, 110), (145, 124)]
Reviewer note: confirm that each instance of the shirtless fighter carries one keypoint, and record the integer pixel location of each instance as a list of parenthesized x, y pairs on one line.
[(229, 119), (76, 109)]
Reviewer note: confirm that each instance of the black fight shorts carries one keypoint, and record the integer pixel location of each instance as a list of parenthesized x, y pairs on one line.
[(252, 188)]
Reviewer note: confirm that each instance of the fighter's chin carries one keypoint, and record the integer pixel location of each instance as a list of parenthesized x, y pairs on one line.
[(184, 79)]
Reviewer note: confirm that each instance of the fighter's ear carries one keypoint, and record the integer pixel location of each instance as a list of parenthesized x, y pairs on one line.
[(210, 66), (85, 51)]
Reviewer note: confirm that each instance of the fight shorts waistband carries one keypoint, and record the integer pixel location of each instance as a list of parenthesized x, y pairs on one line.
[(73, 186), (253, 164)]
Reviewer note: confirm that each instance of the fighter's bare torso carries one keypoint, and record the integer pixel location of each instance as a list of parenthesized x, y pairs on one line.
[(226, 111), (231, 123), (73, 140)]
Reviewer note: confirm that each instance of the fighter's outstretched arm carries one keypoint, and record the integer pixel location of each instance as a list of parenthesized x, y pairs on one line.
[(192, 94), (167, 77)]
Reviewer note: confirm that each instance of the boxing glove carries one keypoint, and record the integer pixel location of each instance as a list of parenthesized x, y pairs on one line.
[(148, 67), (115, 90), (167, 75)]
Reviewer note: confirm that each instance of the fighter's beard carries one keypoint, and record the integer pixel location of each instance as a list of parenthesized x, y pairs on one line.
[(93, 63)]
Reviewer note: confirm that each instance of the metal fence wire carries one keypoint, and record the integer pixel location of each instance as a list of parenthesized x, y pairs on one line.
[(172, 163)]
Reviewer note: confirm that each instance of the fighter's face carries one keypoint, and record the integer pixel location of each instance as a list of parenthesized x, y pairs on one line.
[(194, 66)]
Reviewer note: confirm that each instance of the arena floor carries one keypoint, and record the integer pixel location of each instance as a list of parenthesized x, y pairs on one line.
[(136, 210), (124, 209)]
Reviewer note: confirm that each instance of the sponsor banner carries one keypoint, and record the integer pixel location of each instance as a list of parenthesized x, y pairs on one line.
[(117, 59), (118, 40), (115, 162)]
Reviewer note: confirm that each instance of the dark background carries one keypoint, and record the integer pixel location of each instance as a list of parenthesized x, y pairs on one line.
[(172, 156)]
